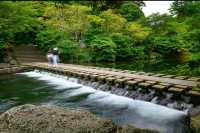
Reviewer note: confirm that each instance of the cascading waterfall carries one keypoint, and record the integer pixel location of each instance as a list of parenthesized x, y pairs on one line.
[(101, 100), (166, 99)]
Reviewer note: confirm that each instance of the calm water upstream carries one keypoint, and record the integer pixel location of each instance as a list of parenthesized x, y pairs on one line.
[(166, 67), (45, 88)]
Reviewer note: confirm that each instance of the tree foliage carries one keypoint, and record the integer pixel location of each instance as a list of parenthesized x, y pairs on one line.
[(48, 38), (70, 18), (131, 11), (123, 46), (137, 31), (103, 49), (185, 8), (67, 49), (103, 31), (15, 19), (112, 22)]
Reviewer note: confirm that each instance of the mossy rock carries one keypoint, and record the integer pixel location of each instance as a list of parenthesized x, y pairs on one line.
[(130, 129), (54, 119), (195, 123)]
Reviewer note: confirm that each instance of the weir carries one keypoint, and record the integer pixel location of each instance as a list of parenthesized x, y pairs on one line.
[(120, 109), (177, 92)]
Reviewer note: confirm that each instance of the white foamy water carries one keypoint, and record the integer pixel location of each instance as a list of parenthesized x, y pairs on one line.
[(61, 83), (121, 109)]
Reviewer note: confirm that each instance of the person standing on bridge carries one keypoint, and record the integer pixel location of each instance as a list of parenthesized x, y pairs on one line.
[(50, 56), (55, 56)]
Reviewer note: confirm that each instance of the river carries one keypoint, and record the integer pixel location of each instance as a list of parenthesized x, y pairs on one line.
[(46, 88)]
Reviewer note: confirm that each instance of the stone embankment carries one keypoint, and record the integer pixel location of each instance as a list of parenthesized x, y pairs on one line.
[(54, 119), (9, 69), (28, 53)]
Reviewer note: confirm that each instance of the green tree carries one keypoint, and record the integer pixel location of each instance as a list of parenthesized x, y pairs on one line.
[(131, 11), (2, 50), (95, 21), (168, 46), (91, 34), (48, 38), (68, 49), (185, 8), (193, 34), (69, 18), (112, 22), (102, 5), (137, 31), (103, 49), (124, 46), (169, 37), (15, 19), (158, 22)]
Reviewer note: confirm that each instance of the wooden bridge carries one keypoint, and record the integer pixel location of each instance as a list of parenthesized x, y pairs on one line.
[(160, 82)]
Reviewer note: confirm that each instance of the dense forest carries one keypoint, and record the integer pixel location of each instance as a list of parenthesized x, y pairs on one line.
[(105, 31)]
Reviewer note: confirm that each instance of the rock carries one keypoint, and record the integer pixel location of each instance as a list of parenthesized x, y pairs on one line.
[(130, 129), (13, 62), (53, 119), (195, 123), (10, 60), (6, 59)]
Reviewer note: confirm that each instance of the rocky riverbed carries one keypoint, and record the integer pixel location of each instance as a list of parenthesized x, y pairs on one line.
[(53, 119)]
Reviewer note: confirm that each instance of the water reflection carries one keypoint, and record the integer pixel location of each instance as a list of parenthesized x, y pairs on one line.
[(161, 66)]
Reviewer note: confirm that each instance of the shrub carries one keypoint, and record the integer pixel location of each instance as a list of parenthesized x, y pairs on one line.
[(168, 46), (179, 70), (103, 49), (48, 38), (124, 46), (67, 49), (83, 55), (112, 22), (2, 50), (131, 11), (91, 34), (138, 53)]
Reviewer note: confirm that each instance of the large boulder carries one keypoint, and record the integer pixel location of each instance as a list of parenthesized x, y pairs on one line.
[(53, 119)]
